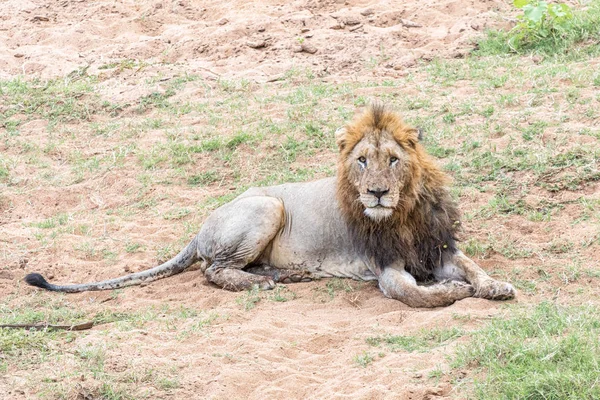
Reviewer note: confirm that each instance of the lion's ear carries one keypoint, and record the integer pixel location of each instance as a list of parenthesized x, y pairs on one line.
[(340, 137), (419, 134), (414, 136)]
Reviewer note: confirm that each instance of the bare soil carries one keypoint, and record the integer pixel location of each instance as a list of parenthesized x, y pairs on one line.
[(306, 347)]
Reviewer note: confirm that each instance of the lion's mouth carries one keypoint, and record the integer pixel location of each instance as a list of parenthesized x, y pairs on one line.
[(379, 212)]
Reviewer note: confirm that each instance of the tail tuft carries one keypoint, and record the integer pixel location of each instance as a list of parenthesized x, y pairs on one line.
[(35, 279)]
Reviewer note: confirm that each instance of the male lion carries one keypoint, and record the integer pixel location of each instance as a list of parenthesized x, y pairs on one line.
[(387, 216)]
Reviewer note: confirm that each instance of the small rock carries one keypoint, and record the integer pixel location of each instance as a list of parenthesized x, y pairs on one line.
[(366, 12), (338, 25), (355, 27), (351, 21), (410, 24), (404, 62), (306, 48), (40, 18), (19, 55), (222, 21), (275, 78), (304, 30), (50, 275), (537, 59), (261, 28), (308, 35), (6, 275), (460, 53), (475, 26), (256, 44)]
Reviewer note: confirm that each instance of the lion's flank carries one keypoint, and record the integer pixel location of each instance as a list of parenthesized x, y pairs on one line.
[(422, 230)]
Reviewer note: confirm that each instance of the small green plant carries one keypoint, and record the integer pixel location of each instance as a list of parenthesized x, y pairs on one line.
[(363, 359), (281, 294), (539, 20), (422, 342), (548, 29), (250, 299)]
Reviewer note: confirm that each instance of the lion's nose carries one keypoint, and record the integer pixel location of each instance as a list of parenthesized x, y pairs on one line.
[(378, 193)]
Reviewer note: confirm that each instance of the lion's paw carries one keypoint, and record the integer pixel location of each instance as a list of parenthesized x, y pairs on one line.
[(460, 290), (267, 284), (495, 290)]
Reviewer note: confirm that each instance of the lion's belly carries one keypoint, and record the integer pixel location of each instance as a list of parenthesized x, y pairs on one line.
[(314, 236), (322, 264)]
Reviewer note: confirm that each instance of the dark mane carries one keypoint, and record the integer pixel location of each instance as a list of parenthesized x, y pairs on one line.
[(422, 230)]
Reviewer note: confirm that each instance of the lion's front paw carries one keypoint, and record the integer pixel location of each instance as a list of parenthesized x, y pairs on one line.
[(461, 289), (495, 290)]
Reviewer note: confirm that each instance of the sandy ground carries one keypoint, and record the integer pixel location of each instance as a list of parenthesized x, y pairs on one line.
[(303, 348), (258, 40)]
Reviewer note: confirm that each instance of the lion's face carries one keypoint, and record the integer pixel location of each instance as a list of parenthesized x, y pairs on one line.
[(378, 167)]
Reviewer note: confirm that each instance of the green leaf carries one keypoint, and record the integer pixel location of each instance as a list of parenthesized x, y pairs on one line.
[(560, 12), (535, 14), (520, 3)]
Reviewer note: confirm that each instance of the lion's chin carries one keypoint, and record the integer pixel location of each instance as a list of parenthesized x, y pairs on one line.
[(378, 213)]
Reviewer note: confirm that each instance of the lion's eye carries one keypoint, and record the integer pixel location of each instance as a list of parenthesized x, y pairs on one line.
[(362, 160), (393, 160)]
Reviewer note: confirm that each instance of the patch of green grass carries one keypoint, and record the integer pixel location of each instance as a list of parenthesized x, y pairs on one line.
[(363, 359), (574, 38), (126, 63), (177, 213), (333, 286), (15, 343), (203, 178), (56, 100), (281, 293), (250, 298), (424, 341), (4, 173), (546, 352), (131, 247), (476, 248), (52, 222), (111, 391)]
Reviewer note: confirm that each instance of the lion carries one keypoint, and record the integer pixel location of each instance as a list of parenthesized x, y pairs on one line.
[(386, 216)]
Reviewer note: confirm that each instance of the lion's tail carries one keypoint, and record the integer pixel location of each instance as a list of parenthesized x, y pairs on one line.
[(177, 264)]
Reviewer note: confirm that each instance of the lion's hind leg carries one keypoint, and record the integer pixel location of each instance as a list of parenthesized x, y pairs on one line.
[(235, 236), (234, 279)]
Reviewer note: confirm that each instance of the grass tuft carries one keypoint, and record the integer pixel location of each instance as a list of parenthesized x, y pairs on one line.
[(422, 342), (549, 352)]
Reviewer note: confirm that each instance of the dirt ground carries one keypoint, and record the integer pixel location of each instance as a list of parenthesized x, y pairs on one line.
[(307, 347), (257, 40)]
